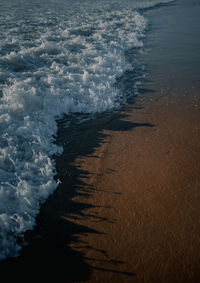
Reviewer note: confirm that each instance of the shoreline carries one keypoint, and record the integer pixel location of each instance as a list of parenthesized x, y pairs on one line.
[(127, 208)]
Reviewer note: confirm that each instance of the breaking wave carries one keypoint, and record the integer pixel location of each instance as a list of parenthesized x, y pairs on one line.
[(56, 58)]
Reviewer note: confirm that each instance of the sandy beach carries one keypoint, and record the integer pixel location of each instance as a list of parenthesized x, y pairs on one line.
[(127, 208)]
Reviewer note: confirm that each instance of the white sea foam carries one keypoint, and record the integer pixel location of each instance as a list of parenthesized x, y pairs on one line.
[(56, 58)]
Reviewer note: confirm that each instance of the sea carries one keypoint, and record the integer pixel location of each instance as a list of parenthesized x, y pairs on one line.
[(58, 58)]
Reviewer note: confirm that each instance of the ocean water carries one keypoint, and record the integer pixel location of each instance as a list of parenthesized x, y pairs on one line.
[(56, 57)]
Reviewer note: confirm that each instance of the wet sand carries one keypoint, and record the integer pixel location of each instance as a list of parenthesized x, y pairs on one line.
[(142, 182), (143, 185), (127, 209)]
